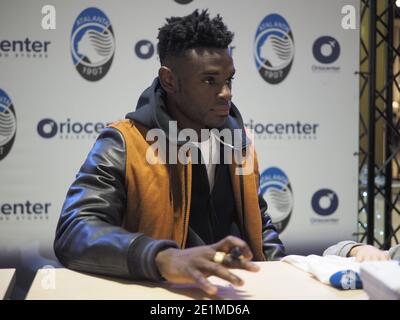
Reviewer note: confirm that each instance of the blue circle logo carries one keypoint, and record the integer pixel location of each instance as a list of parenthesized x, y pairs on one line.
[(277, 192), (325, 202), (183, 1), (47, 128), (8, 124), (144, 49), (326, 49), (92, 44), (273, 48)]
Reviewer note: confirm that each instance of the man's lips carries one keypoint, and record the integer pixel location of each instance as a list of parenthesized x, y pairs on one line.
[(222, 111)]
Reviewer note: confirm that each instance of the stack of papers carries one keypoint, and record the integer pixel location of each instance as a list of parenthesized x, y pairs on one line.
[(381, 279)]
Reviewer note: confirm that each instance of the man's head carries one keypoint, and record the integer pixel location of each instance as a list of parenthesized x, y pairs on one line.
[(196, 69)]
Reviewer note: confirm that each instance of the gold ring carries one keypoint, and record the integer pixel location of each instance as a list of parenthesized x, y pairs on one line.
[(219, 257)]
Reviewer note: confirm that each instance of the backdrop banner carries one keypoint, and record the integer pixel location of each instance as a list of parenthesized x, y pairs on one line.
[(295, 86)]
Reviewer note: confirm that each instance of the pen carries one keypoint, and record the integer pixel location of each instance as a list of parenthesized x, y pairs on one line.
[(236, 253)]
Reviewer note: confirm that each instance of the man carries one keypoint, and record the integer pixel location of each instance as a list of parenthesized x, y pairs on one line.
[(127, 216), (362, 252)]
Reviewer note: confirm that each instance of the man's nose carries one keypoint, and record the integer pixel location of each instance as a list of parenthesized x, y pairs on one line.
[(226, 93)]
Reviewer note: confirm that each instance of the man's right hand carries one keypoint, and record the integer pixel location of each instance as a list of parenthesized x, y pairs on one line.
[(194, 265), (368, 253)]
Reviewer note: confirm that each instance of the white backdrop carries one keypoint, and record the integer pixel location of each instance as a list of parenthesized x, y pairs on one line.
[(51, 97)]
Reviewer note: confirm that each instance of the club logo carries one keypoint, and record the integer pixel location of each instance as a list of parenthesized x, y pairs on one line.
[(277, 192), (295, 131), (92, 44), (26, 48), (183, 1), (144, 49), (273, 48), (25, 210), (8, 124), (49, 128), (325, 202), (326, 49)]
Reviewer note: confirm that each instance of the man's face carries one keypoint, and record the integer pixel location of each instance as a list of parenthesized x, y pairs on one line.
[(205, 86)]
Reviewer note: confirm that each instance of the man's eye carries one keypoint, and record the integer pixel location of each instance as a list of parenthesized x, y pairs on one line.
[(209, 80), (229, 81)]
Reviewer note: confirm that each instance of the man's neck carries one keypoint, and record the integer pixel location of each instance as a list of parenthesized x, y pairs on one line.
[(183, 121)]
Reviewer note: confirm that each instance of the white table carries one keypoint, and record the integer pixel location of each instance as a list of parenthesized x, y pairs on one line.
[(275, 280), (7, 281)]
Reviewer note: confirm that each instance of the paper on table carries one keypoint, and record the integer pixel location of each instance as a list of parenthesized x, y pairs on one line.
[(339, 272)]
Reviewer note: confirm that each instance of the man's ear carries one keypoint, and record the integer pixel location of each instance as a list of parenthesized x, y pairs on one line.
[(168, 80)]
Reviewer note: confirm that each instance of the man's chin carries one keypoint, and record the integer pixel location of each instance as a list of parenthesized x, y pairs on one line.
[(217, 123)]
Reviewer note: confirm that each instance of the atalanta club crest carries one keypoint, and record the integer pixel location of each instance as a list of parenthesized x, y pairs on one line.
[(277, 192), (92, 44), (8, 124), (273, 48)]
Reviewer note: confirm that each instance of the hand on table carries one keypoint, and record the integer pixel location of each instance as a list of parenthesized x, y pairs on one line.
[(194, 265), (368, 253)]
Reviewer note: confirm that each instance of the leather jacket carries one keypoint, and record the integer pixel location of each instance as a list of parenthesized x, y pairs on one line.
[(105, 225)]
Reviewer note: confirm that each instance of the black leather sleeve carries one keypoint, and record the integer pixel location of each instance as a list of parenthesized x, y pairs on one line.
[(272, 245), (89, 236)]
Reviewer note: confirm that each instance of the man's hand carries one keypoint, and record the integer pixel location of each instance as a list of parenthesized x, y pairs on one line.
[(194, 265), (368, 253)]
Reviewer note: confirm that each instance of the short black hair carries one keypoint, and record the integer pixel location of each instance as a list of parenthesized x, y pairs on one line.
[(192, 31)]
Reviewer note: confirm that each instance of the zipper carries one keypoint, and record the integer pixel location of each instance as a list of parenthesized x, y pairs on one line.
[(213, 222), (242, 205), (185, 206)]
